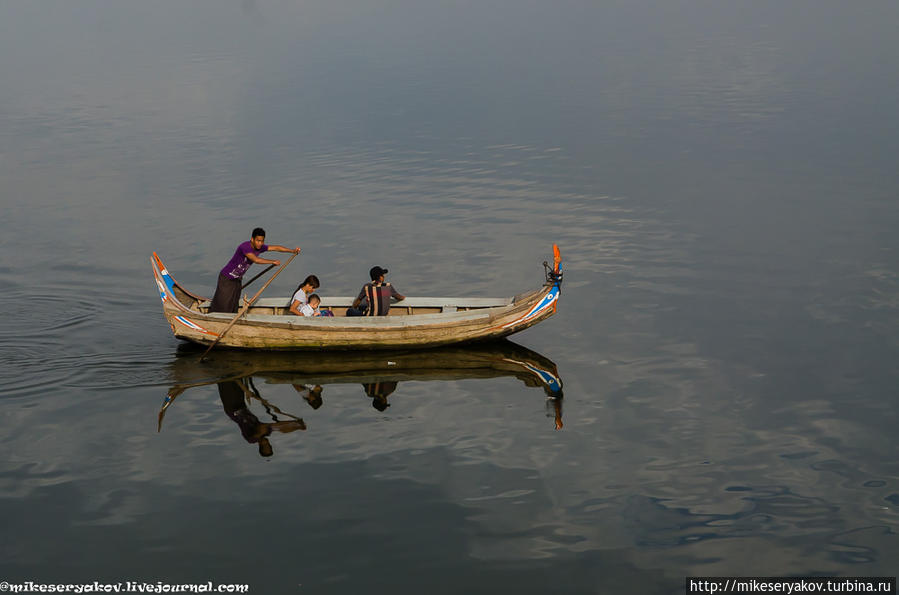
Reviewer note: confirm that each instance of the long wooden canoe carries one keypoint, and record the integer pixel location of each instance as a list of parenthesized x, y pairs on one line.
[(414, 322)]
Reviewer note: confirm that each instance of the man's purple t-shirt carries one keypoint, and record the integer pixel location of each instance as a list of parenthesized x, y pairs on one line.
[(239, 263)]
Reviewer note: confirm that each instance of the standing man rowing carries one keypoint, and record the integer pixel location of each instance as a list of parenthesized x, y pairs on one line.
[(227, 290)]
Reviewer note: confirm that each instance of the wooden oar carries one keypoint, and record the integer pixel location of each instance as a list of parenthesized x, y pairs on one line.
[(246, 306), (264, 271)]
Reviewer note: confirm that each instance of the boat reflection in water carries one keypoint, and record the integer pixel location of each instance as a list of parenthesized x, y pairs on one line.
[(379, 373)]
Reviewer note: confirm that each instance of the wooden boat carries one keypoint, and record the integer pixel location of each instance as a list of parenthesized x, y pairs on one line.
[(414, 322), (492, 359)]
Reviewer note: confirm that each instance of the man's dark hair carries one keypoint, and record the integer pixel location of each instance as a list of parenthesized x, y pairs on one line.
[(258, 232)]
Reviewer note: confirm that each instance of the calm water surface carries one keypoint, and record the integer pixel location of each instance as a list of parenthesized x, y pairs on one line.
[(721, 179)]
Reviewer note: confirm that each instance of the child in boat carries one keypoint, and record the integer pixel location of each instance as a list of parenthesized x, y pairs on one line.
[(311, 308)]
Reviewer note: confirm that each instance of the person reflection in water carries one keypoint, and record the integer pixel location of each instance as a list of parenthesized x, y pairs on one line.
[(234, 402), (310, 394), (379, 391)]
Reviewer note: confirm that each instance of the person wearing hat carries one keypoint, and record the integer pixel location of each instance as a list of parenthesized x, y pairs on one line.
[(374, 298)]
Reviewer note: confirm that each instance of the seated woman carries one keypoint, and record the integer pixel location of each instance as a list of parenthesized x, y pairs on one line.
[(300, 296)]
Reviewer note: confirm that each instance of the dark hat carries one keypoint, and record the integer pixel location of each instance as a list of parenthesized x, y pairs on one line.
[(376, 272)]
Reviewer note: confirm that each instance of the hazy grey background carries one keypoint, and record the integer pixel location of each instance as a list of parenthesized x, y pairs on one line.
[(721, 178)]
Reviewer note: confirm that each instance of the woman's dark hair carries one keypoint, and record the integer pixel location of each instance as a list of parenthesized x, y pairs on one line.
[(258, 232), (310, 280)]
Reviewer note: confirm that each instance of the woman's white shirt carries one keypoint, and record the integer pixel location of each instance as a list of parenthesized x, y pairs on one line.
[(300, 296)]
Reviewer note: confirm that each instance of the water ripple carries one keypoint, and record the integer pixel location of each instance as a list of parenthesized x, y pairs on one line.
[(43, 315), (34, 366)]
